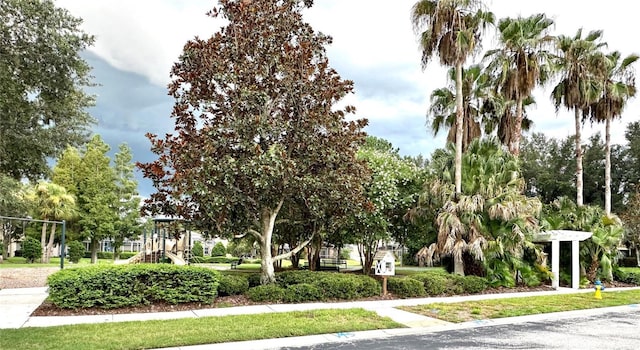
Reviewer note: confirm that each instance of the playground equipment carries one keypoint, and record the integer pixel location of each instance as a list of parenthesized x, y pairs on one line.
[(167, 240)]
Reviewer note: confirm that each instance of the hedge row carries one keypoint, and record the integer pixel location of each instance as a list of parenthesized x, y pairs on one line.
[(113, 286), (435, 283), (302, 286)]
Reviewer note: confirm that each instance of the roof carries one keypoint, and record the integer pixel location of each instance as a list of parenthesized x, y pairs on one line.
[(561, 235), (381, 254)]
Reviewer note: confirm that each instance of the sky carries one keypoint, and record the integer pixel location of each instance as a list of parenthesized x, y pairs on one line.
[(137, 42)]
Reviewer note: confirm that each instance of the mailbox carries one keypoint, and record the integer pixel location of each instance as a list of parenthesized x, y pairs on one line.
[(385, 263)]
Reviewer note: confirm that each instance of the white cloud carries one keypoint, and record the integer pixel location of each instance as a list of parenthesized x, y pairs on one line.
[(374, 45)]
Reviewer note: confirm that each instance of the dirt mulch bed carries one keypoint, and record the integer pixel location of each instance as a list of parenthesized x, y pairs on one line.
[(48, 309)]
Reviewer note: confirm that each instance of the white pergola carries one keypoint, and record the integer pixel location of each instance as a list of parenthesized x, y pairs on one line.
[(555, 237)]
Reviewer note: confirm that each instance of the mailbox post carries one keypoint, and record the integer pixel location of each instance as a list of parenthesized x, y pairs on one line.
[(385, 267)]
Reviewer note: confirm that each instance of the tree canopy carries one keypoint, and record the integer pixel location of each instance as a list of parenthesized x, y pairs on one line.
[(256, 126), (42, 102)]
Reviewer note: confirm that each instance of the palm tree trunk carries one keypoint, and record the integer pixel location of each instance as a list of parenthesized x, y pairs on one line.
[(607, 167), (49, 249), (514, 143), (579, 175), (43, 241), (459, 129)]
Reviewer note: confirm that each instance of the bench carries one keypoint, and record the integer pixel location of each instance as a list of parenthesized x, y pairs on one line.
[(329, 264), (234, 264)]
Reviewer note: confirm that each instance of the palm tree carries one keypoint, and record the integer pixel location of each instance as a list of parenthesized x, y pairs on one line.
[(618, 86), (443, 105), (499, 114), (51, 202), (520, 64), (452, 29), (580, 64), (492, 216)]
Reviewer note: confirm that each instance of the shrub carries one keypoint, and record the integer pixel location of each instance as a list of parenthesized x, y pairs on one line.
[(268, 292), (346, 286), (472, 284), (197, 249), (288, 278), (405, 287), (76, 251), (232, 285), (218, 250), (31, 249), (632, 277), (302, 292), (113, 286), (434, 283), (254, 280)]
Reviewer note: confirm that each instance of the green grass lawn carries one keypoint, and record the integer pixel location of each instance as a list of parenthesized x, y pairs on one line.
[(182, 332), (498, 308), (54, 262)]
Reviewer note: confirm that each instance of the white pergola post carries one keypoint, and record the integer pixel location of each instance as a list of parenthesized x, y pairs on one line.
[(555, 263), (575, 264)]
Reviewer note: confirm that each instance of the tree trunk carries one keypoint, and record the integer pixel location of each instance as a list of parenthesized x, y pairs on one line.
[(458, 265), (607, 167), (579, 172), (268, 219), (593, 268), (459, 129), (514, 142), (638, 257), (43, 242), (49, 249), (94, 251)]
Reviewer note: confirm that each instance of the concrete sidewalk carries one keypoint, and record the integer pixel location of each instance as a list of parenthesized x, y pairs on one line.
[(16, 306)]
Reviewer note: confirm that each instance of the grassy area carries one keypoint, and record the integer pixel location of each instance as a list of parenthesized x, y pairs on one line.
[(630, 269), (414, 270), (54, 262), (498, 308), (182, 332)]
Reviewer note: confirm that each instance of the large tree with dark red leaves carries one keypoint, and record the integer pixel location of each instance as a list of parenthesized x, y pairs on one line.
[(256, 127)]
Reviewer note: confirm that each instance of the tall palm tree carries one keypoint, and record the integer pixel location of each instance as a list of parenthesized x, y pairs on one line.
[(443, 105), (51, 202), (580, 63), (452, 29), (499, 114), (618, 86), (520, 64)]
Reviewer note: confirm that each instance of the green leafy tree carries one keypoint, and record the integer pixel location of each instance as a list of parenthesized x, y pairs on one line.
[(31, 249), (218, 250), (580, 64), (546, 165), (631, 220), (618, 86), (97, 195), (42, 98), (631, 161), (453, 31), (520, 63), (256, 126), (50, 202), (14, 204), (387, 202), (197, 249), (76, 251), (127, 202)]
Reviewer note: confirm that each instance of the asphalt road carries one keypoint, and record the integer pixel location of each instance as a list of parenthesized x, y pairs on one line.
[(613, 330)]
